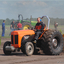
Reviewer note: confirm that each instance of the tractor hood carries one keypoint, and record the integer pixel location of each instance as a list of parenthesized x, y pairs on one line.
[(16, 36), (23, 32)]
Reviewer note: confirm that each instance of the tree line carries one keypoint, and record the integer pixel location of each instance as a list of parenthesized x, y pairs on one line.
[(7, 21), (52, 20)]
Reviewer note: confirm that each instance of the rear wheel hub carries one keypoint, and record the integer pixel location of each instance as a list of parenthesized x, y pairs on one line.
[(54, 42)]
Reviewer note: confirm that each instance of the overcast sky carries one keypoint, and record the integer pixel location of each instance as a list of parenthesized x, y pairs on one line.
[(37, 8)]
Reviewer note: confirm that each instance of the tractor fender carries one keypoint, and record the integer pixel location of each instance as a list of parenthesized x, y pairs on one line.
[(30, 39)]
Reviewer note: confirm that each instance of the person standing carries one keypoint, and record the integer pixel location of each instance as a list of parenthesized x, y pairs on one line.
[(12, 27), (3, 28), (19, 25), (55, 25)]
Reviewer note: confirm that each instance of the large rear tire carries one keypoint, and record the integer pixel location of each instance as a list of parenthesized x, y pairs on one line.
[(53, 42), (4, 50), (29, 48)]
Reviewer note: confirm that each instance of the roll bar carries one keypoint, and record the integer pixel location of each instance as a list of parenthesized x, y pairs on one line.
[(48, 20)]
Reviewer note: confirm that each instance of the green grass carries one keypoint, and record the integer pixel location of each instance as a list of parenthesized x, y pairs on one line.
[(60, 28), (7, 29), (6, 37)]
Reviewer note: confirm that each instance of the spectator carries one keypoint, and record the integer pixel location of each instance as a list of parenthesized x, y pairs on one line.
[(12, 27), (55, 25), (3, 28), (19, 25)]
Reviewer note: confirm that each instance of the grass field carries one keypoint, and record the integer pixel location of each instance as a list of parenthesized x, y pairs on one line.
[(7, 29), (60, 28)]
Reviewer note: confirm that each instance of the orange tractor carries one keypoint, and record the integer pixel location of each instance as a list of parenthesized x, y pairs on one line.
[(50, 41)]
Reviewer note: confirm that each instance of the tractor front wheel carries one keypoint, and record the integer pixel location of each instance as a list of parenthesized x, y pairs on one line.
[(4, 50), (29, 48)]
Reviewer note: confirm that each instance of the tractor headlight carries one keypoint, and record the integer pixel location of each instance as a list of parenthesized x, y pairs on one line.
[(26, 37)]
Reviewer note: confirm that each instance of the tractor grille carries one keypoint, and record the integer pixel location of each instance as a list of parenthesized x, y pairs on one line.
[(14, 39)]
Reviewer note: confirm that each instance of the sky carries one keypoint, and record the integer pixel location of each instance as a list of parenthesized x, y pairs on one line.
[(37, 8)]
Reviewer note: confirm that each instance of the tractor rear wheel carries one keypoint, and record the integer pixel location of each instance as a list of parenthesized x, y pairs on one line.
[(53, 42), (26, 25), (29, 48)]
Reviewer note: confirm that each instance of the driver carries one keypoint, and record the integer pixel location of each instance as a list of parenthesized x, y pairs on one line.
[(38, 28)]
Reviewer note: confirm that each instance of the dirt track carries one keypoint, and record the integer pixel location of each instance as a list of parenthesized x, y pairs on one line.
[(20, 58)]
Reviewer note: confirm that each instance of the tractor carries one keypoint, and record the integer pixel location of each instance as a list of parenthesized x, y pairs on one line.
[(26, 24), (50, 41)]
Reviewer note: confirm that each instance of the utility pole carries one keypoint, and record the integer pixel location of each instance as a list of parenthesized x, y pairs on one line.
[(30, 19)]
